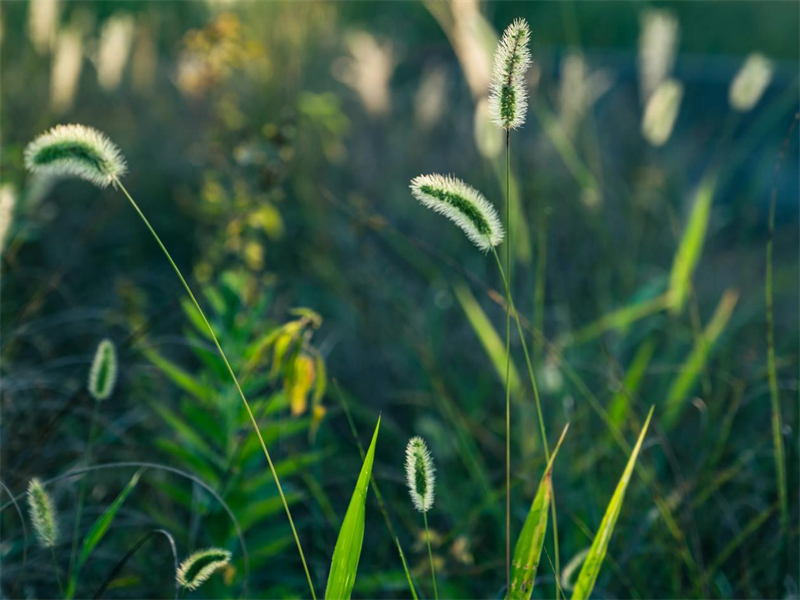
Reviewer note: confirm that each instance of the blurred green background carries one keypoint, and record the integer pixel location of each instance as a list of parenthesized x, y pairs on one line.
[(271, 145)]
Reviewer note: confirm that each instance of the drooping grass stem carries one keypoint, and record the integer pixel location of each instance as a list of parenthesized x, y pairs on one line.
[(430, 555), (233, 377)]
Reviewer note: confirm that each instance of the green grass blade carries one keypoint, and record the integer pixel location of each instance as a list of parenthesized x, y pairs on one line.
[(528, 550), (597, 552), (694, 364), (98, 531), (344, 563), (487, 335), (691, 244), (620, 403)]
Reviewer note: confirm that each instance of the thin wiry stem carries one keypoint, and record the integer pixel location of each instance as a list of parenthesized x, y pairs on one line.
[(233, 377), (508, 362), (537, 400), (82, 491), (58, 573), (777, 425), (430, 555)]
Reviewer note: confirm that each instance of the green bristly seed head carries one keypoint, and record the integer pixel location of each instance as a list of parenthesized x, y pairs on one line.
[(198, 567), (462, 204), (508, 96), (77, 151), (43, 514), (103, 374), (420, 474)]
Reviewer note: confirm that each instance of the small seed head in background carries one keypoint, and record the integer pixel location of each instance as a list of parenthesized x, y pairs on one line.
[(198, 567), (103, 374), (462, 204), (76, 151), (750, 82), (508, 94), (43, 514), (420, 474)]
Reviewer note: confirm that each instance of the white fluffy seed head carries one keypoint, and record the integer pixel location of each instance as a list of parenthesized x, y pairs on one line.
[(750, 82), (508, 95), (43, 514), (462, 204), (103, 374), (198, 567), (76, 151), (661, 112), (420, 474)]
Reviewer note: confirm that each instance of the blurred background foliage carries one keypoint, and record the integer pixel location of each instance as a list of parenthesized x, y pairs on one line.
[(271, 144)]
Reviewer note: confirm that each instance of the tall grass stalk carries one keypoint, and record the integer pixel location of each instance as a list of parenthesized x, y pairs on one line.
[(777, 421), (233, 377)]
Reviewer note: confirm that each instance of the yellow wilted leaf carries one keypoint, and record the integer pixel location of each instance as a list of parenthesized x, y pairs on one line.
[(299, 383)]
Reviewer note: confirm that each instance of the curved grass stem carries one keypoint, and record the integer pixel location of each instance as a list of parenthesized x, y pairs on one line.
[(233, 378), (537, 400)]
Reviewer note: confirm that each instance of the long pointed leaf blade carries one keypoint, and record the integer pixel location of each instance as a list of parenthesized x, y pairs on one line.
[(597, 553), (528, 551), (99, 530), (347, 552)]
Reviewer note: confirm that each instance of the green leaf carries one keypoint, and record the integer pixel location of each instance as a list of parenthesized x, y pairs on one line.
[(691, 245), (99, 530), (529, 545), (178, 376), (351, 535), (597, 552), (488, 336), (696, 362)]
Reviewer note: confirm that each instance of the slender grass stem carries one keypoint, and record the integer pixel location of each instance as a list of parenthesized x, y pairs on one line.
[(430, 555), (374, 483), (58, 573), (82, 490), (777, 423), (537, 400), (233, 377), (508, 362)]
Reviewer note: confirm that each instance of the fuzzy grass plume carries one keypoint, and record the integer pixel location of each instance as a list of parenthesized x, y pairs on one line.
[(750, 82), (420, 474), (43, 514), (198, 567), (103, 374), (508, 97), (76, 150), (462, 204)]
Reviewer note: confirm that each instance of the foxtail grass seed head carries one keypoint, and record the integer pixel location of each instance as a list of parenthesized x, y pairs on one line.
[(661, 112), (420, 474), (43, 514), (462, 204), (201, 565), (508, 96), (77, 151), (103, 374), (750, 82)]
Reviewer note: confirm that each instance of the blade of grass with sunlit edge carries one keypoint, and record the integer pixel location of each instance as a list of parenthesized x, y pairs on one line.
[(487, 335), (597, 552), (691, 244), (691, 369), (531, 541), (347, 552), (98, 531)]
